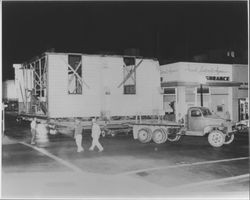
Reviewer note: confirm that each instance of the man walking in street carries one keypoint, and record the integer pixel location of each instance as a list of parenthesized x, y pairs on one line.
[(78, 135), (33, 126), (96, 132)]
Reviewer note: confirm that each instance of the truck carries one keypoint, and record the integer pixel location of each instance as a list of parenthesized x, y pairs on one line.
[(199, 121)]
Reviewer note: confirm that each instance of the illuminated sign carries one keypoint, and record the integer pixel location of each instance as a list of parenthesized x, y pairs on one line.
[(217, 78)]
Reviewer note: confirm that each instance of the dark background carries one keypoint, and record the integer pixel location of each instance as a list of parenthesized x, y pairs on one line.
[(169, 31)]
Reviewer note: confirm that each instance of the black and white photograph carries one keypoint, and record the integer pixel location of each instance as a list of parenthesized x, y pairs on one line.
[(125, 99)]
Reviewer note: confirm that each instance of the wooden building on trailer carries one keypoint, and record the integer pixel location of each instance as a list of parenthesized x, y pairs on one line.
[(68, 85)]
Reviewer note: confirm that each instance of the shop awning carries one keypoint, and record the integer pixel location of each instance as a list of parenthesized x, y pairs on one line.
[(211, 84)]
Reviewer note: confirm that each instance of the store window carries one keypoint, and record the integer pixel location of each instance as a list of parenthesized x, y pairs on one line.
[(205, 90), (74, 74), (129, 73), (169, 90), (169, 100), (206, 96)]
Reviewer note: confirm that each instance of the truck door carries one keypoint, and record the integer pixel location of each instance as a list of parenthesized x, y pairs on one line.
[(195, 120)]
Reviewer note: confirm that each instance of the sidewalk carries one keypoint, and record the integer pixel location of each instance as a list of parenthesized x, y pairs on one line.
[(6, 140)]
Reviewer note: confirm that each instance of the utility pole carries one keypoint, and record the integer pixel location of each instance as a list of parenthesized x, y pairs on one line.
[(201, 92), (3, 119)]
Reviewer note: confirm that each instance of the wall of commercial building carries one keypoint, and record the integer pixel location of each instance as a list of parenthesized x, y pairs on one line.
[(240, 74), (186, 78)]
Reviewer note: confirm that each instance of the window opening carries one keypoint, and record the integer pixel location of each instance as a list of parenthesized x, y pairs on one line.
[(129, 73), (74, 74)]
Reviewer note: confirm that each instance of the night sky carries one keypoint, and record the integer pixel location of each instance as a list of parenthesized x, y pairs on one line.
[(165, 30)]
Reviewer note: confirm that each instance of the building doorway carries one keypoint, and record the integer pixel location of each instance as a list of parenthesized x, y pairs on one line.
[(169, 103)]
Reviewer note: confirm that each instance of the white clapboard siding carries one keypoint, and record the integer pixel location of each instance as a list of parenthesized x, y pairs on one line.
[(147, 97), (62, 104), (103, 75)]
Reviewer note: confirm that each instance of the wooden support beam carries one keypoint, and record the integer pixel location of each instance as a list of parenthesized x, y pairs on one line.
[(40, 73)]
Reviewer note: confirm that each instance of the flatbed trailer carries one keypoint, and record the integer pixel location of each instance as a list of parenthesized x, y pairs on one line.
[(198, 122), (144, 128)]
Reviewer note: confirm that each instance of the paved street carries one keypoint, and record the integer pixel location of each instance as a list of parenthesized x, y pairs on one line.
[(126, 167)]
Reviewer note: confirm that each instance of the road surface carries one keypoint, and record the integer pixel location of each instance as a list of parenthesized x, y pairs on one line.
[(126, 167)]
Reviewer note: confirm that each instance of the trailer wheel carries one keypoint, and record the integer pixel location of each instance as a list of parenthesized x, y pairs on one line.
[(103, 133), (144, 135), (19, 120), (229, 139), (216, 138), (52, 131), (159, 136), (112, 133)]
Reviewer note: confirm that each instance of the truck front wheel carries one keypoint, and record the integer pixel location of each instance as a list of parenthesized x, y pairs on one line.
[(216, 138), (229, 139)]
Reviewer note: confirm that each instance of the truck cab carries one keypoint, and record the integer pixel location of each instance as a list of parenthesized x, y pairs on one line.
[(198, 119)]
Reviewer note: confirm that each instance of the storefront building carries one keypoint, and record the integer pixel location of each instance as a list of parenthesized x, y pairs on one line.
[(220, 87)]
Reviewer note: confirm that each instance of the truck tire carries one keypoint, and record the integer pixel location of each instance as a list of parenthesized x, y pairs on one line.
[(159, 136), (173, 136), (229, 139), (52, 131), (216, 138), (166, 135), (103, 134), (144, 135)]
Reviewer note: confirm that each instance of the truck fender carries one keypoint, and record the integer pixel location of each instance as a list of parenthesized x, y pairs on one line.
[(208, 129)]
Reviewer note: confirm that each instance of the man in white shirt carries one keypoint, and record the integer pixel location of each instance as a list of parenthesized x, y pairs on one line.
[(78, 135), (33, 126), (96, 132)]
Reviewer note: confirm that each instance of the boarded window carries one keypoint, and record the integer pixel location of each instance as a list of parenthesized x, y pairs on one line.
[(129, 74), (74, 74)]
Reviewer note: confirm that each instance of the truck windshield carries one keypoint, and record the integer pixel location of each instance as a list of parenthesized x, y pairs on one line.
[(205, 111)]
